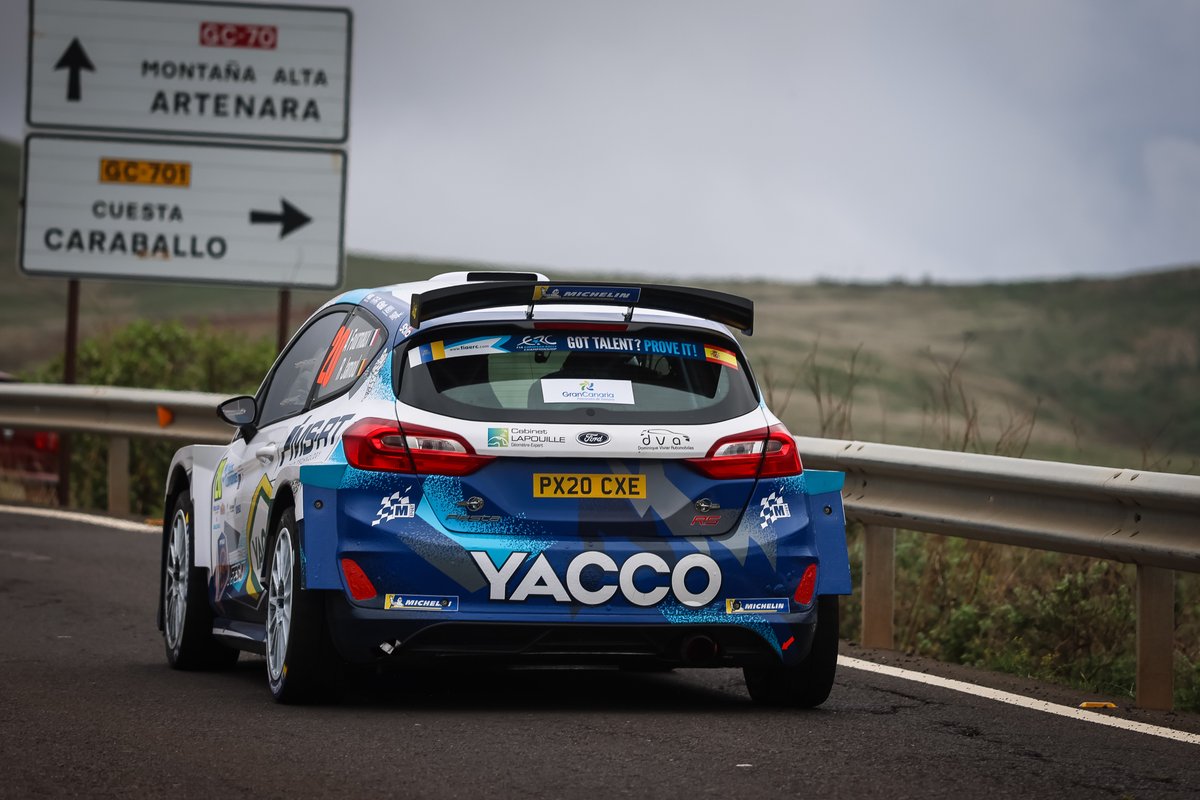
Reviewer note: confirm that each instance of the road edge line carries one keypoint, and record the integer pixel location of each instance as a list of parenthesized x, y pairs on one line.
[(79, 516), (1019, 700)]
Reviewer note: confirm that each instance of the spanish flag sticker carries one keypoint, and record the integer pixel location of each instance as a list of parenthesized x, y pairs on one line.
[(719, 355)]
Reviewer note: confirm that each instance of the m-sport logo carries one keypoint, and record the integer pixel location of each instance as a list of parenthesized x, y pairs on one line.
[(592, 438)]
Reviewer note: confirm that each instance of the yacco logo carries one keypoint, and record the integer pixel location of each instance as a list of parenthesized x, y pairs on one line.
[(540, 579), (420, 602), (592, 438), (497, 437)]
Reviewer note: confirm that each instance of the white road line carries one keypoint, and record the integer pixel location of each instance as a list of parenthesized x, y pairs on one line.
[(1019, 700), (76, 516)]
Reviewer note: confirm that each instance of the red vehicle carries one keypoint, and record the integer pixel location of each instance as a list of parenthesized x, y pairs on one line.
[(29, 457)]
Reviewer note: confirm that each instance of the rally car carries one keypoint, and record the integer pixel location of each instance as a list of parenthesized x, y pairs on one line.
[(496, 467)]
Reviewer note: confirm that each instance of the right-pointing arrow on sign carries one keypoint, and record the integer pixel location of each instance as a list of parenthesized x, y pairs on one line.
[(289, 217)]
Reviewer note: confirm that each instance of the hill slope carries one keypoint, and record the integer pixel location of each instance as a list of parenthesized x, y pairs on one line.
[(1104, 371)]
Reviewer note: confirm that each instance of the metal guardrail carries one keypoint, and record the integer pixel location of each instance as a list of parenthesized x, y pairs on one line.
[(1145, 518)]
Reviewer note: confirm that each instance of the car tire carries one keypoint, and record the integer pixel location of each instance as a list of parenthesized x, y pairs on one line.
[(302, 666), (807, 684), (187, 615)]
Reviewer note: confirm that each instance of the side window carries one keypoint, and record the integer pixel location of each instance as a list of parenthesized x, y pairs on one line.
[(298, 369), (355, 345)]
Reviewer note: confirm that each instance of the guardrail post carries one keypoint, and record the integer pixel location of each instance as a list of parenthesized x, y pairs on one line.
[(118, 476), (879, 587), (1155, 637)]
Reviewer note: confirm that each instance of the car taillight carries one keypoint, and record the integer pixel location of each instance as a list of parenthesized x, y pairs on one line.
[(357, 582), (807, 586), (46, 441), (379, 444), (763, 453)]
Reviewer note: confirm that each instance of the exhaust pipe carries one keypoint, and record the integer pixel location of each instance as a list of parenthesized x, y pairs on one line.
[(699, 649)]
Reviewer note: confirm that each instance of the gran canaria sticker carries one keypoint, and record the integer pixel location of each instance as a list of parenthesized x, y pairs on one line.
[(419, 602), (756, 605), (586, 390)]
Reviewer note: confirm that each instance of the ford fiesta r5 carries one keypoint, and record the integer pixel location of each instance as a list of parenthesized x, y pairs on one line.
[(498, 467)]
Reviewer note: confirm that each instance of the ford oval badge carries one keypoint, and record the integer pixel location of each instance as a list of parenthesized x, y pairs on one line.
[(592, 438)]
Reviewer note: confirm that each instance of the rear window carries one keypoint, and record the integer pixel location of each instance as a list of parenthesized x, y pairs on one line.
[(521, 374)]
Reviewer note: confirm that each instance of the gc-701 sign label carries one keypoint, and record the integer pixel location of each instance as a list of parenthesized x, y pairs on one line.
[(161, 210)]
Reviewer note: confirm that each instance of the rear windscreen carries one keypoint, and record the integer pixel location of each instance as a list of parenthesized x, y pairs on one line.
[(521, 374)]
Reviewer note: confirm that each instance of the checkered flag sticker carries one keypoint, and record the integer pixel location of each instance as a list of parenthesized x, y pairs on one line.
[(394, 506), (773, 508)]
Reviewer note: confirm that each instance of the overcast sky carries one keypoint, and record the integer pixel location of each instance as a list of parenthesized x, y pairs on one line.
[(857, 140)]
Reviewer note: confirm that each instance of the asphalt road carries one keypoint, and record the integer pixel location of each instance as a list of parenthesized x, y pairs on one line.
[(89, 708)]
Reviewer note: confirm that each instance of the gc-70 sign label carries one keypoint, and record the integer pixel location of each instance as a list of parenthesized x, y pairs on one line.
[(214, 69)]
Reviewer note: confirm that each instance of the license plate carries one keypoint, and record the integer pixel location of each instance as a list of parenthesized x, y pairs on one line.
[(614, 487)]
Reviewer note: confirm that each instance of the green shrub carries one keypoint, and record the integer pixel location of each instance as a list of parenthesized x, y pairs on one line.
[(1049, 616), (153, 355)]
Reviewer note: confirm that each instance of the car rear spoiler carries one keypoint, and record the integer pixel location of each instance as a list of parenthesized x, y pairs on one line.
[(727, 309)]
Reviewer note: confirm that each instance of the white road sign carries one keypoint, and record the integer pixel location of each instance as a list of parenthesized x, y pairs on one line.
[(209, 69), (162, 210)]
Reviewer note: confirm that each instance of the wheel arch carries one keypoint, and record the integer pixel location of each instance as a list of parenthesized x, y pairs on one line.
[(285, 498), (179, 478), (191, 468)]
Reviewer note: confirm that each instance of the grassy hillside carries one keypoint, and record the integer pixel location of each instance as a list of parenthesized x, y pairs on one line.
[(1099, 371), (1106, 371)]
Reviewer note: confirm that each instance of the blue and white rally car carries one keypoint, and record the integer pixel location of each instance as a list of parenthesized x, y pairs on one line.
[(495, 466)]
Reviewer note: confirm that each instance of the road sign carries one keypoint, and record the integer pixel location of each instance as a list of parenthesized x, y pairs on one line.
[(206, 69), (165, 210)]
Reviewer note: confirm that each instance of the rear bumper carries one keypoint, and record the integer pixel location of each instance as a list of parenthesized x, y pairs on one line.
[(370, 636), (529, 593)]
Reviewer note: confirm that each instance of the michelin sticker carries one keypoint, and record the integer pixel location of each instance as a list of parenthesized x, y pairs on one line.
[(756, 605), (419, 602)]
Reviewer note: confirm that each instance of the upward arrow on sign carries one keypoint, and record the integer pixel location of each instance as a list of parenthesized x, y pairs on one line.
[(74, 59)]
